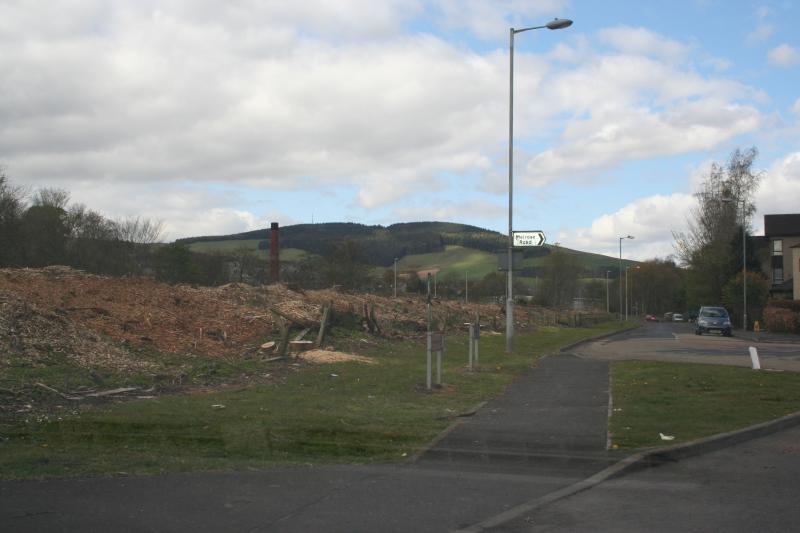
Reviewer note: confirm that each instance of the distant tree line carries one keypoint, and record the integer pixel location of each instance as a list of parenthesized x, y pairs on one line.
[(43, 228)]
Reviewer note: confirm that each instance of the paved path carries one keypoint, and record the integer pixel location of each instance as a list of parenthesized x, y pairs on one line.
[(553, 419), (748, 487), (545, 433)]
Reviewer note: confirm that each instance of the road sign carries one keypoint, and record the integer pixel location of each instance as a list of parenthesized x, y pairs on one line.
[(528, 238)]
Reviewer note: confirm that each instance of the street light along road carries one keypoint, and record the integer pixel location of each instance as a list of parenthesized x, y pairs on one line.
[(555, 24), (620, 274)]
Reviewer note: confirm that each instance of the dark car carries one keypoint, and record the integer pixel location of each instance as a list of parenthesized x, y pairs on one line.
[(713, 319)]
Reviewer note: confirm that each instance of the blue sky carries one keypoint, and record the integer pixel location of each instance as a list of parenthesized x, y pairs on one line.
[(222, 117)]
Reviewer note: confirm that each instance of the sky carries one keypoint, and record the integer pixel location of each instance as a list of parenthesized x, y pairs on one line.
[(221, 117)]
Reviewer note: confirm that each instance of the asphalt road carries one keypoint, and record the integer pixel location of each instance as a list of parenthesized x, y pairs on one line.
[(676, 342)]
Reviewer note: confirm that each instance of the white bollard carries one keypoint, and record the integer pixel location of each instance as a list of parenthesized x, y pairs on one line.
[(754, 358)]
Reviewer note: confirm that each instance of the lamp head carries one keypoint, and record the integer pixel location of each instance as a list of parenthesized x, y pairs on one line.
[(558, 24)]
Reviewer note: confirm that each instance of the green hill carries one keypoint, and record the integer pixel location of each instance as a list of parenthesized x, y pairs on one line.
[(448, 248)]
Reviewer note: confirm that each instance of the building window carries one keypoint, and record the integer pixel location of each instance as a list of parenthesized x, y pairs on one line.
[(777, 276), (777, 247)]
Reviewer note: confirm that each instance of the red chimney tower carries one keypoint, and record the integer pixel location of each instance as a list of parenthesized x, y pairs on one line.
[(274, 255)]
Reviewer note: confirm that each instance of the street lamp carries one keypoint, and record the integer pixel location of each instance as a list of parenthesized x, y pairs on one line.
[(626, 290), (620, 274), (555, 24)]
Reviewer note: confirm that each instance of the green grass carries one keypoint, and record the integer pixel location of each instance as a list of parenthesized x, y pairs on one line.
[(341, 413), (455, 259), (690, 401)]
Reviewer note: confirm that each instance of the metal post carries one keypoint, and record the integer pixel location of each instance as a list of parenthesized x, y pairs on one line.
[(510, 289), (430, 316), (439, 366), (428, 367), (607, 308), (471, 345), (466, 287), (620, 278), (744, 271), (626, 294), (395, 277)]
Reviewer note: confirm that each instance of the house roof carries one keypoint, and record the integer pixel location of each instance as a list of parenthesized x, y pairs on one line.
[(782, 225)]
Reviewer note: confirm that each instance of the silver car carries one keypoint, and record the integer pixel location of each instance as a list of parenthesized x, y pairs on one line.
[(713, 319)]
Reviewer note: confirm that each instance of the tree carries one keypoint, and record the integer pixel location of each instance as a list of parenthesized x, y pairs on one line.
[(139, 230), (559, 283), (346, 266), (656, 287), (757, 295), (45, 235), (12, 207), (724, 202)]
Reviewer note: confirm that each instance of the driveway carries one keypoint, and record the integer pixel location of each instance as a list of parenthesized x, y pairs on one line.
[(676, 342)]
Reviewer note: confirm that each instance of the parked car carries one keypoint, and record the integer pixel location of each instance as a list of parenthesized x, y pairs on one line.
[(651, 318), (713, 319), (677, 317), (668, 316)]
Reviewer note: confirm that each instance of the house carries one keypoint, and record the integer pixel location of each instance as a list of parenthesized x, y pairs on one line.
[(782, 233)]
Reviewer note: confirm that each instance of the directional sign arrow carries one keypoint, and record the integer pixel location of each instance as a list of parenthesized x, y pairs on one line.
[(528, 238)]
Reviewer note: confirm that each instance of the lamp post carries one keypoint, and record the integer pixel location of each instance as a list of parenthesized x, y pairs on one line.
[(620, 274), (555, 24), (728, 200), (607, 273), (626, 290)]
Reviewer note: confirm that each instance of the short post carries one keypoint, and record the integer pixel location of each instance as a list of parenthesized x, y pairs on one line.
[(435, 344), (439, 366), (428, 366), (754, 358), (471, 346)]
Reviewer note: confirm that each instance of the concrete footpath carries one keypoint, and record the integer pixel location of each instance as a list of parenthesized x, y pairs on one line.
[(545, 433), (551, 420)]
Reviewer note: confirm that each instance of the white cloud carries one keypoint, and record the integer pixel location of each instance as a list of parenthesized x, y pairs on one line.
[(464, 212), (796, 107), (779, 189), (761, 33), (142, 99), (490, 19), (630, 107), (651, 220), (641, 41), (784, 55)]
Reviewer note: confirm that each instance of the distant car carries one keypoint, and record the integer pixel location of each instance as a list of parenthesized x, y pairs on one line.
[(668, 316), (677, 317), (713, 319), (651, 318)]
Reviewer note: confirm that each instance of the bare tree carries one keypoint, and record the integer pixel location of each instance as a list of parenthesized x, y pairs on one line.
[(12, 207), (724, 204), (138, 230), (51, 197)]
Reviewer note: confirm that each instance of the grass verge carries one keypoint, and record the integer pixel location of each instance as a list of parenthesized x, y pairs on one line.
[(690, 401), (338, 413)]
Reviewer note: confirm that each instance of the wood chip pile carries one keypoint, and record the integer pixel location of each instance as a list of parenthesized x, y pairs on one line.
[(62, 310)]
